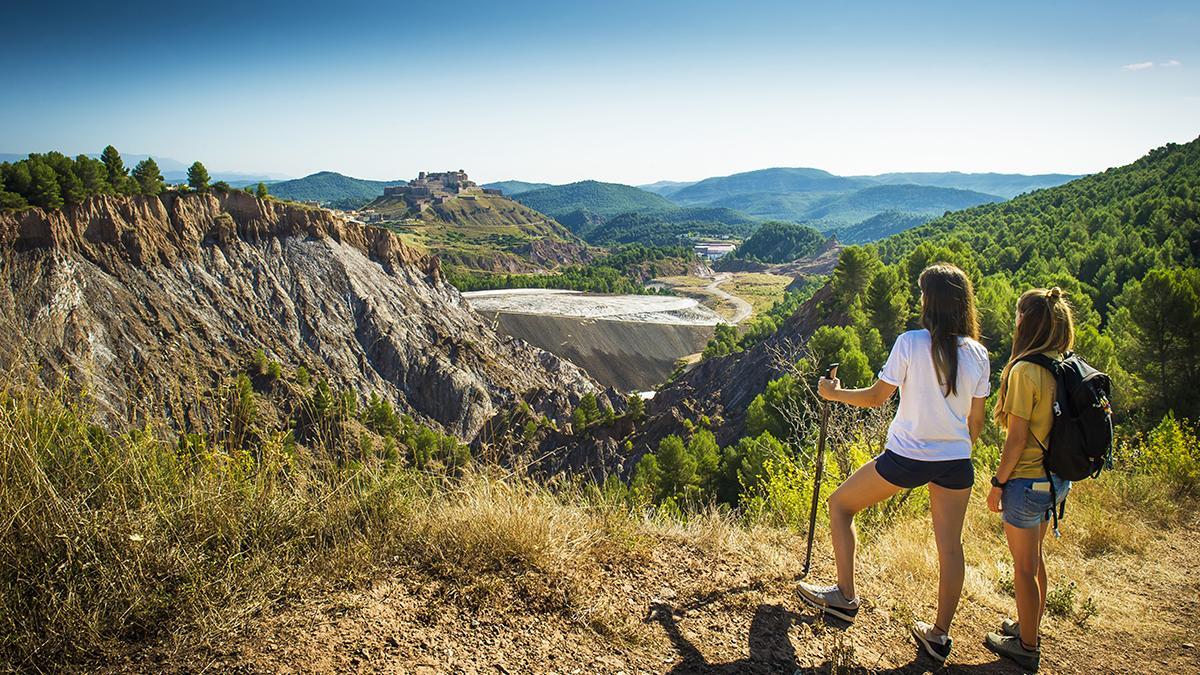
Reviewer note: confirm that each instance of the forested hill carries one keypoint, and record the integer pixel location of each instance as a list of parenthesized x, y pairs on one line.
[(515, 187), (1125, 245), (332, 188), (611, 213), (1104, 230), (772, 181), (601, 199), (776, 242), (868, 202)]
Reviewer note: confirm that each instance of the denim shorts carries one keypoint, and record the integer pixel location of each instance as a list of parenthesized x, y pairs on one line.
[(1024, 507), (953, 474)]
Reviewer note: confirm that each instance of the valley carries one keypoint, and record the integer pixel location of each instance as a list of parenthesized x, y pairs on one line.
[(282, 426), (500, 338)]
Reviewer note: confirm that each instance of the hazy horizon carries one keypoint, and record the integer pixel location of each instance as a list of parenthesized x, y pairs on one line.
[(619, 92)]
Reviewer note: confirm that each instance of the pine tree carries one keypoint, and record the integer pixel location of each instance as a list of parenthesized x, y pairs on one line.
[(703, 448), (44, 188), (886, 304), (148, 177), (678, 467), (115, 166), (636, 407), (197, 177), (9, 200), (591, 408), (93, 175), (1158, 327), (855, 269), (261, 191)]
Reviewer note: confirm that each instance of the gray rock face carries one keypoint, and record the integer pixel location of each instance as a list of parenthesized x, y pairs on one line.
[(145, 300)]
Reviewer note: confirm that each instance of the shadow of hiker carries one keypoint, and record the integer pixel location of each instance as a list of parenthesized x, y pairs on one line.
[(923, 664), (770, 649)]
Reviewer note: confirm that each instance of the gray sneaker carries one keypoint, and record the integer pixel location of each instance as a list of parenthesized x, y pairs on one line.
[(1011, 648), (1010, 628), (829, 599), (933, 642)]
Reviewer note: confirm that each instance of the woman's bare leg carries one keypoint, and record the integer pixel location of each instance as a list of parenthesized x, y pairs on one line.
[(1025, 543), (862, 489), (949, 510)]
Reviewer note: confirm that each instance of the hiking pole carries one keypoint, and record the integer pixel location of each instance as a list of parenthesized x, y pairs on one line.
[(816, 497)]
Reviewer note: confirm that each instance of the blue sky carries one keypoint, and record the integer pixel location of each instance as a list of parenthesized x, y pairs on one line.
[(621, 91)]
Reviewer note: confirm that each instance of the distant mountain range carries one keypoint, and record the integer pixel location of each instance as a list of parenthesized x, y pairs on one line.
[(857, 208), (1007, 185), (828, 201)]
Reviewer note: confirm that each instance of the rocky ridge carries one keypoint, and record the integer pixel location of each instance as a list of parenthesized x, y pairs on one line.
[(144, 301)]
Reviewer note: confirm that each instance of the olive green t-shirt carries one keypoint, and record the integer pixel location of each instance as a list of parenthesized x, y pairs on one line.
[(1030, 396)]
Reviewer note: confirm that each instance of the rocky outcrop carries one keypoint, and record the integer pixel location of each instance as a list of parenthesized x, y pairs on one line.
[(146, 300)]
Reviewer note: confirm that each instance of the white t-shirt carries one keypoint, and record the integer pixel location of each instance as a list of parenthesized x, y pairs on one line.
[(929, 425)]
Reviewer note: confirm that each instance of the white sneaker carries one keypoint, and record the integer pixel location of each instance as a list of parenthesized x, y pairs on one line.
[(829, 599), (935, 643)]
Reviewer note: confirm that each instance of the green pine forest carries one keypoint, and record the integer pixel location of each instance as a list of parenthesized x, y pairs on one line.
[(53, 180), (1123, 244)]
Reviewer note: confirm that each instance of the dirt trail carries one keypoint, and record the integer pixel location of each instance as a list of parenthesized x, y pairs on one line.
[(744, 309), (683, 609)]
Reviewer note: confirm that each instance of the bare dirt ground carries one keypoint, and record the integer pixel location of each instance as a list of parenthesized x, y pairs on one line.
[(687, 605)]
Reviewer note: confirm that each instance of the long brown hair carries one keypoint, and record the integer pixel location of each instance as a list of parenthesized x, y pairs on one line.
[(1045, 323), (947, 312)]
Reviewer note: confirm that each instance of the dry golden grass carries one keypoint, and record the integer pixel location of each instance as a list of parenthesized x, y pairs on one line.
[(760, 289), (111, 543)]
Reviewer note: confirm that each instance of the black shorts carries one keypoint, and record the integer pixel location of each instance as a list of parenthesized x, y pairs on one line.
[(952, 474)]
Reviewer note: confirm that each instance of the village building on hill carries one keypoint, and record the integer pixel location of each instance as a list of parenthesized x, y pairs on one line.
[(428, 189)]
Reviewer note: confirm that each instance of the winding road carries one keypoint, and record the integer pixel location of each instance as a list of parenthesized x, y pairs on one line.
[(743, 308)]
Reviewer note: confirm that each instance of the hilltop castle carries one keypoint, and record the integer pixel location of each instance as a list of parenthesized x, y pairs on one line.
[(436, 188)]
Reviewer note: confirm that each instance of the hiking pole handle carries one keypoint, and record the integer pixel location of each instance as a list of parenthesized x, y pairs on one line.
[(818, 474)]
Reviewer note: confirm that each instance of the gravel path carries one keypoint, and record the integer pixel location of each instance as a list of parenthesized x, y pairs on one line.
[(743, 308)]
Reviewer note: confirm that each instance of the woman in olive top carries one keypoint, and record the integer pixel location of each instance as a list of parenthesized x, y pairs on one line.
[(1021, 490)]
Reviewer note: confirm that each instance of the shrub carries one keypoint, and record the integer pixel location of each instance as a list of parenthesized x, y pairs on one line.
[(1171, 452), (1060, 600)]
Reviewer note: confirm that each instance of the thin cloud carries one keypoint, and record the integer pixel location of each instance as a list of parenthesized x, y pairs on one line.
[(1170, 64), (1138, 66)]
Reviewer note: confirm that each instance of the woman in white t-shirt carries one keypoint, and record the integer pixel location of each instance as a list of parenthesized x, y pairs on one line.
[(943, 375)]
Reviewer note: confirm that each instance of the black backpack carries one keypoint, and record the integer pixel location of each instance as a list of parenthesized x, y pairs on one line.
[(1081, 438)]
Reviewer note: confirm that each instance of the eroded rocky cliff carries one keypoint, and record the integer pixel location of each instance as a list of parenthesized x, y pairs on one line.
[(146, 300)]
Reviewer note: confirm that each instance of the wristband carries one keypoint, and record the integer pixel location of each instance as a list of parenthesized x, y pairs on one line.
[(996, 483)]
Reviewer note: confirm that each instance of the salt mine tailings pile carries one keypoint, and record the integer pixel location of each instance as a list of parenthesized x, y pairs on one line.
[(629, 342)]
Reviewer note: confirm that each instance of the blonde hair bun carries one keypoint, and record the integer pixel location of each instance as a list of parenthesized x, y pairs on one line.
[(1055, 293)]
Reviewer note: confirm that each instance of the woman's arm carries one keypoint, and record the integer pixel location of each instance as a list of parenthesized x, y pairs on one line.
[(1014, 445), (870, 397), (975, 418)]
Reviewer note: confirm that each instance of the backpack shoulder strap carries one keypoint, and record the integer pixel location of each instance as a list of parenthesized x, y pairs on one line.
[(1044, 361)]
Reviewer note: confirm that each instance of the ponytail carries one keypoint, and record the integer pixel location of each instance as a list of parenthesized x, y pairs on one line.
[(1045, 323)]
